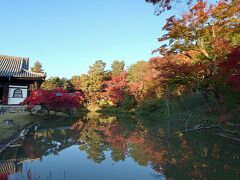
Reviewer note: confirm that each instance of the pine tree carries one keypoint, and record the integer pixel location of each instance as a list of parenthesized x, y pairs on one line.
[(37, 67), (96, 76), (52, 83), (117, 67)]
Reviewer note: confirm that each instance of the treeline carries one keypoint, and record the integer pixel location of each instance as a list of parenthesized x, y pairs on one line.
[(202, 55)]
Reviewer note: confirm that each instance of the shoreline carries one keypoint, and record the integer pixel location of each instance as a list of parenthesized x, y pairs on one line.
[(22, 132), (20, 135)]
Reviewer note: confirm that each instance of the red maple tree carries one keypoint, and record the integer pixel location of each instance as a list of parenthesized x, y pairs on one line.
[(114, 90), (54, 99)]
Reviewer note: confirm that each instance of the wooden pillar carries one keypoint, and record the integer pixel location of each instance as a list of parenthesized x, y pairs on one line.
[(5, 93)]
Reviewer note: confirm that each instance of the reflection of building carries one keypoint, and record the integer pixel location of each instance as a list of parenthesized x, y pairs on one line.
[(11, 160), (11, 165), (15, 79)]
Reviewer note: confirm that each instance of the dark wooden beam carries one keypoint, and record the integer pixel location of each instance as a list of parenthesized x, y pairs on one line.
[(5, 93)]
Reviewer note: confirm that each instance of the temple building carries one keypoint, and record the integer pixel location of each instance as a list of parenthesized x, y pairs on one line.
[(16, 80)]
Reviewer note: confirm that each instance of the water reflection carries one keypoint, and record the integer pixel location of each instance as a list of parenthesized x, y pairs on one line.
[(103, 147)]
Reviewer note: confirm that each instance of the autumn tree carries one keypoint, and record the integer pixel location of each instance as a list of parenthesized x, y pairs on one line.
[(140, 83), (76, 82), (230, 69), (57, 99), (37, 67), (117, 67), (207, 29), (174, 73), (115, 88), (211, 31)]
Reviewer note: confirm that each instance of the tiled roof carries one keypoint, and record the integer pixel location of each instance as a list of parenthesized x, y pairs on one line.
[(11, 66)]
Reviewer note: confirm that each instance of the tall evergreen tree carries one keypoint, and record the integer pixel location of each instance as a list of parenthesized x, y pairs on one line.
[(117, 67), (96, 75), (37, 67), (76, 82), (136, 72), (85, 83), (52, 83)]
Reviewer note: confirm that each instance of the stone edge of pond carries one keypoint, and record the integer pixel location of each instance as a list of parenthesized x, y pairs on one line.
[(19, 136)]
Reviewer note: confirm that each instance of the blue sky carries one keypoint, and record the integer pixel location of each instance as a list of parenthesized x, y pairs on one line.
[(68, 36)]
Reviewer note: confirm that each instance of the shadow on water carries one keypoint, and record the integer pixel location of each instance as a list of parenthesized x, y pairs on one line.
[(98, 146)]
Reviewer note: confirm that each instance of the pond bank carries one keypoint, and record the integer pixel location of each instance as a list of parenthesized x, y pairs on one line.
[(14, 126), (179, 120)]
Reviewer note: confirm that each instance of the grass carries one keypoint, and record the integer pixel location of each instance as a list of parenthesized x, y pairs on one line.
[(20, 120)]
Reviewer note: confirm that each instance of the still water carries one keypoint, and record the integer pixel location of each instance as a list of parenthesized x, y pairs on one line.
[(101, 147)]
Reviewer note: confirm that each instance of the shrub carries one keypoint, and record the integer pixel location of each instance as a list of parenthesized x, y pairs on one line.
[(129, 102), (149, 106), (56, 100)]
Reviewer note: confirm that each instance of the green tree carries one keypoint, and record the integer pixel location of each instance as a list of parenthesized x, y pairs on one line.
[(136, 72), (37, 67), (117, 67), (96, 76), (66, 84), (85, 82), (52, 83)]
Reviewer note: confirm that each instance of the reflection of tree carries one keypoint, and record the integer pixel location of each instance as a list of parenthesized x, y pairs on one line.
[(93, 145), (175, 157), (183, 157), (201, 159), (50, 139), (118, 154), (137, 152)]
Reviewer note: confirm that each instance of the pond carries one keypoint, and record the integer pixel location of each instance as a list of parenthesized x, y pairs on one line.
[(105, 147)]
